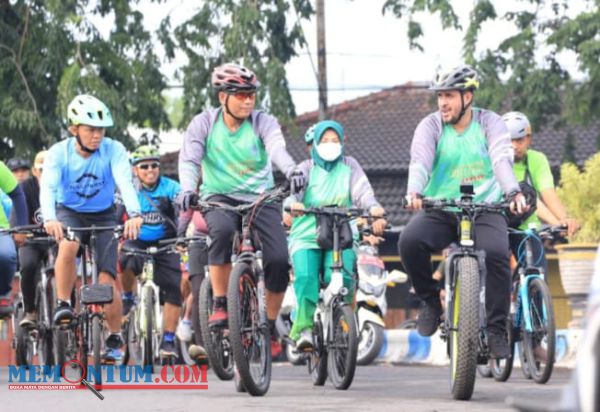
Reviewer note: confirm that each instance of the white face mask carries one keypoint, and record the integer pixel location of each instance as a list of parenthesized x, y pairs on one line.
[(329, 151)]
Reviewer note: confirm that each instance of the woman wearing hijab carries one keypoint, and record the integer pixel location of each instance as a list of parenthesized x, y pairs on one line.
[(332, 180)]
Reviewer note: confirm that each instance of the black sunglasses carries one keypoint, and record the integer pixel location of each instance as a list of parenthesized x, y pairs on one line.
[(147, 166)]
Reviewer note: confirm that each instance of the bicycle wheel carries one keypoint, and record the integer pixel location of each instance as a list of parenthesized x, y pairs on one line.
[(216, 342), (147, 332), (317, 363), (97, 348), (342, 347), (250, 340), (46, 352), (541, 340), (502, 368), (23, 340), (464, 318)]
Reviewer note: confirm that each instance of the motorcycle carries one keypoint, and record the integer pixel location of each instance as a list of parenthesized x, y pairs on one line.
[(371, 305)]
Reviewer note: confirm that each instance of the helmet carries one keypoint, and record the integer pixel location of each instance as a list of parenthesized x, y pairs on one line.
[(231, 77), (145, 152), (309, 136), (88, 110), (16, 163), (460, 78), (517, 123)]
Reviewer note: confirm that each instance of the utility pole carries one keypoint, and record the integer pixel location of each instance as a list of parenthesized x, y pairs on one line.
[(322, 60)]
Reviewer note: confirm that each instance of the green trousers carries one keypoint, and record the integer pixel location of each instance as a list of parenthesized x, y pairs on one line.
[(308, 263)]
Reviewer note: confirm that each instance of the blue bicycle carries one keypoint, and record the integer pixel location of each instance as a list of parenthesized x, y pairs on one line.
[(531, 323)]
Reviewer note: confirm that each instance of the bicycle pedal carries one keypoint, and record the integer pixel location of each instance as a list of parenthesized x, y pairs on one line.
[(96, 294)]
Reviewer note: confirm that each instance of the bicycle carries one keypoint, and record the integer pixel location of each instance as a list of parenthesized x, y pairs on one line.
[(84, 336), (464, 327), (248, 331), (532, 323), (144, 321), (37, 341), (335, 330)]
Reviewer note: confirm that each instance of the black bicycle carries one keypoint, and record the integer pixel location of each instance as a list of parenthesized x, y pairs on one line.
[(85, 335), (37, 341), (248, 332), (465, 326)]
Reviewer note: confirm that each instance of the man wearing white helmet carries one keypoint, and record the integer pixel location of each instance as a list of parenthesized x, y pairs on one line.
[(532, 169), (78, 190)]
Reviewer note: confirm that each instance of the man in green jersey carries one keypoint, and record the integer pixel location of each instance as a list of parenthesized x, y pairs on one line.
[(454, 145)]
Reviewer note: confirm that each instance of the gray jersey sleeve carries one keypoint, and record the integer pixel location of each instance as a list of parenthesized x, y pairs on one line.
[(422, 152), (304, 168), (361, 192), (500, 149), (192, 150), (267, 127)]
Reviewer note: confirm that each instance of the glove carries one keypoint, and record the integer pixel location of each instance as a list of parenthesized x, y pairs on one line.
[(187, 200), (517, 203), (297, 181)]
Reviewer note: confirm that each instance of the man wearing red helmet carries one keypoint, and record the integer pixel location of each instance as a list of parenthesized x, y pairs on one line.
[(230, 149)]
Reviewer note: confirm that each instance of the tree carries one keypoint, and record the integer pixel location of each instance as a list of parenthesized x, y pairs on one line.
[(254, 33), (51, 51), (513, 73)]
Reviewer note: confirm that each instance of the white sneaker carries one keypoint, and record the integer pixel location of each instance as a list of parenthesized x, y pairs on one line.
[(184, 330), (305, 342)]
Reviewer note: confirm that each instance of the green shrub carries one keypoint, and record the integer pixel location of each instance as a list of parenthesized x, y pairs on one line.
[(580, 193)]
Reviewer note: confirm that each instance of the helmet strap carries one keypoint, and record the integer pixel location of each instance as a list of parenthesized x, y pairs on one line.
[(85, 149), (239, 119), (463, 108)]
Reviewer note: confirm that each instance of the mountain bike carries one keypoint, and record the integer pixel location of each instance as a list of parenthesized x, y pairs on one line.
[(532, 323), (464, 327)]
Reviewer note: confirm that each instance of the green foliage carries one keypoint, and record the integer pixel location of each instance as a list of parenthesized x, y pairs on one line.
[(513, 75), (580, 193)]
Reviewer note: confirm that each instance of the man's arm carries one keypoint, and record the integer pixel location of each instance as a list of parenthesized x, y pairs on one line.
[(19, 205), (272, 136), (500, 150), (49, 184), (192, 152), (422, 153), (545, 214), (121, 171)]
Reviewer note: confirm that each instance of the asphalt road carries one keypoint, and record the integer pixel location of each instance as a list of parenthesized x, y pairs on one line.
[(375, 388)]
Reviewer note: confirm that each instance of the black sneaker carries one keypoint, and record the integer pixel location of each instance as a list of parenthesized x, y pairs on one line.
[(498, 345), (63, 314), (113, 355), (429, 317)]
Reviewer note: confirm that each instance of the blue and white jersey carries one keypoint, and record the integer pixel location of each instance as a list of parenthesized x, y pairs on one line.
[(86, 185), (155, 226)]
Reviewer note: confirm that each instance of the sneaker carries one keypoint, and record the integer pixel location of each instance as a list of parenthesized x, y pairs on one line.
[(29, 320), (429, 317), (6, 306), (128, 303), (198, 354), (305, 341), (112, 350), (276, 348), (218, 317), (184, 330), (168, 349), (63, 314), (498, 344)]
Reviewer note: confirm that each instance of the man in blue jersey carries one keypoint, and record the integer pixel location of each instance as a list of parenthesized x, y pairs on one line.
[(81, 175), (156, 195)]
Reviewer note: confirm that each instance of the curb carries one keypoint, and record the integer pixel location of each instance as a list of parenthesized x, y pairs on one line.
[(402, 346)]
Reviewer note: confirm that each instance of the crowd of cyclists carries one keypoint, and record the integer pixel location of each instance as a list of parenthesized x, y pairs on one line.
[(227, 156)]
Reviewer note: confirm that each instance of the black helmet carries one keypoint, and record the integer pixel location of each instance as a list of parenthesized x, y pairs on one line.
[(461, 78), (16, 163)]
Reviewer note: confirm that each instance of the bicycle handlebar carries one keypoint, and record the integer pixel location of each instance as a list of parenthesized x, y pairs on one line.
[(276, 193), (429, 203)]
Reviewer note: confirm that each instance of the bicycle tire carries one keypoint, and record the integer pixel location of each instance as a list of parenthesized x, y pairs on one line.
[(60, 336), (317, 364), (341, 362), (147, 338), (245, 331), (23, 347), (45, 321), (543, 323), (217, 346), (97, 348), (464, 339), (502, 368)]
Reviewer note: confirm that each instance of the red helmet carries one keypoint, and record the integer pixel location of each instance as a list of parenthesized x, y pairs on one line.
[(231, 77)]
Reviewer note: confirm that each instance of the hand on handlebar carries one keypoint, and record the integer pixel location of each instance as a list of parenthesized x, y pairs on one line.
[(132, 227), (20, 238), (414, 201), (379, 223), (518, 204), (297, 209), (187, 200), (55, 229), (571, 224)]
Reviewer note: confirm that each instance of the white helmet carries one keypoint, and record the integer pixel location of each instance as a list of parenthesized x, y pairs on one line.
[(518, 125), (88, 110)]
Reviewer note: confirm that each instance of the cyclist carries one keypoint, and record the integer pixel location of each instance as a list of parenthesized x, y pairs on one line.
[(332, 179), (8, 252), (454, 145), (532, 170), (231, 148), (31, 255), (78, 190), (20, 168), (156, 195)]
